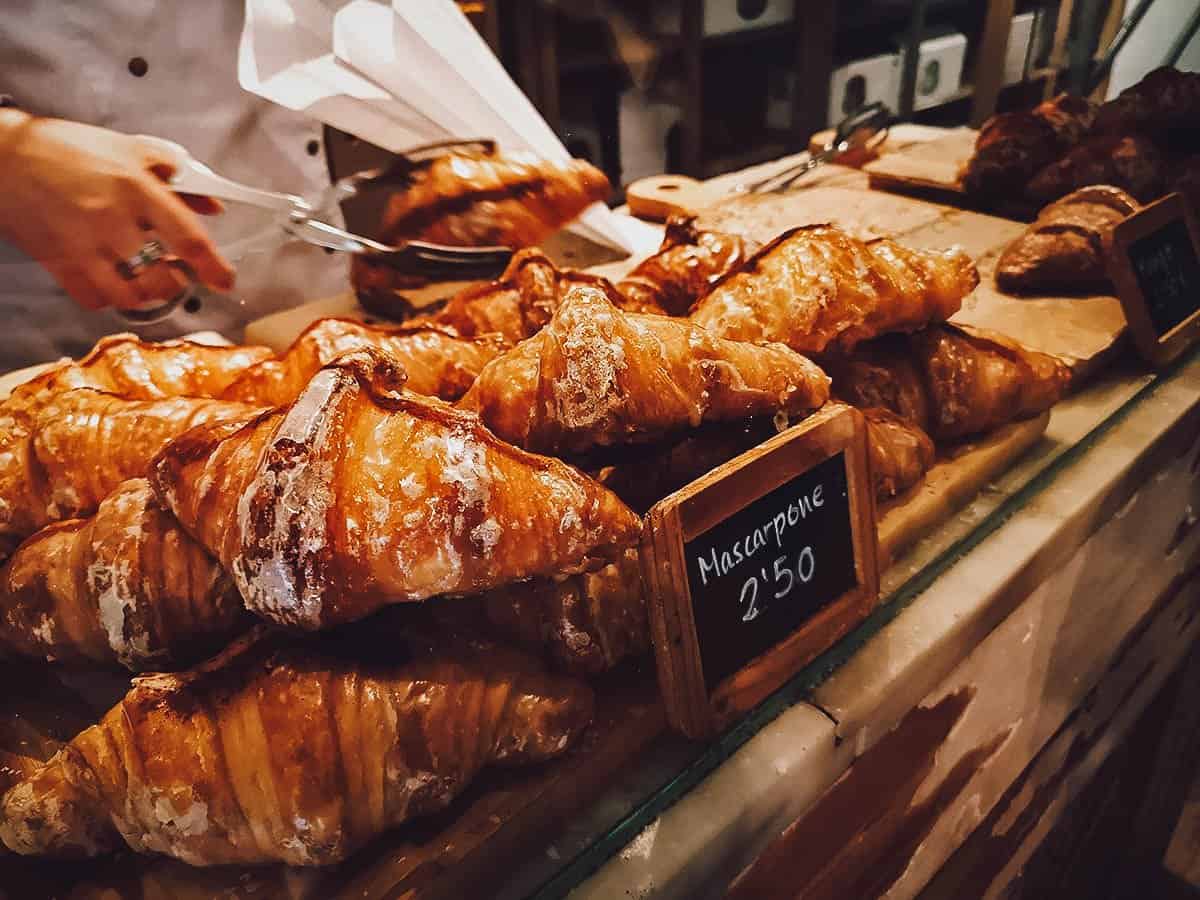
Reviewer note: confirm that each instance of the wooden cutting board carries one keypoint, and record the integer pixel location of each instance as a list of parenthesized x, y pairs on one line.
[(932, 165), (1083, 331)]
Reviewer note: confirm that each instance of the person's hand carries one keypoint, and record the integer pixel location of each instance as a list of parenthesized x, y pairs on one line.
[(81, 199)]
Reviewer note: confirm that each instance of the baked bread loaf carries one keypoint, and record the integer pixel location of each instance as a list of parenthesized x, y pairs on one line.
[(1065, 249), (1165, 104)]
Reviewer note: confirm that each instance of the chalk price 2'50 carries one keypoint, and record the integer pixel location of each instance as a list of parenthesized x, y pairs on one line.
[(785, 579)]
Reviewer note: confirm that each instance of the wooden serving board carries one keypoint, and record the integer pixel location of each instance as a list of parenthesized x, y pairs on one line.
[(931, 165), (957, 476), (1083, 331)]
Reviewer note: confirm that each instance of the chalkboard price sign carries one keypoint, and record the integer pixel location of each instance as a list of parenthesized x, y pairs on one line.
[(1155, 265), (759, 566)]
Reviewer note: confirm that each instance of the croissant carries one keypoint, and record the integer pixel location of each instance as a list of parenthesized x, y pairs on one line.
[(687, 264), (584, 623), (1065, 249), (1164, 104), (515, 306), (509, 200), (951, 383), (291, 753), (80, 445), (360, 494), (596, 376), (123, 364), (817, 289), (1130, 162), (900, 452), (438, 362), (1012, 146), (125, 586)]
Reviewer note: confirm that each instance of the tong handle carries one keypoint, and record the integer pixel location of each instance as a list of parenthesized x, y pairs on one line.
[(193, 177)]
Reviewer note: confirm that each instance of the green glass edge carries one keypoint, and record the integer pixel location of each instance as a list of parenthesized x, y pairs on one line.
[(588, 860)]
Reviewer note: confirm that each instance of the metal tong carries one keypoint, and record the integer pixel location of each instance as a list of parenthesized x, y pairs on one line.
[(864, 129), (299, 218)]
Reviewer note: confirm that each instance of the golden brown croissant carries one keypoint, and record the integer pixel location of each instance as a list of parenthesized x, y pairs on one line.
[(438, 362), (817, 289), (900, 452), (509, 200), (687, 264), (123, 364), (80, 445), (584, 623), (595, 376), (968, 383), (292, 753), (125, 586), (516, 305), (361, 494)]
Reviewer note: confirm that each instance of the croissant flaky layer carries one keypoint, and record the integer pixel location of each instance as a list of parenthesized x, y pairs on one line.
[(595, 376), (361, 494), (584, 623), (123, 364), (509, 200), (952, 383), (439, 363), (80, 445), (689, 262), (817, 289), (125, 586), (900, 453), (296, 754)]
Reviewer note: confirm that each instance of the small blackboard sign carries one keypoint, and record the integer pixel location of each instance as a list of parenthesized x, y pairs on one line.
[(1155, 265), (755, 568), (758, 575)]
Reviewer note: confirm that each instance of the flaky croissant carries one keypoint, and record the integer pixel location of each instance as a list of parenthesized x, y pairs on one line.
[(953, 383), (125, 586), (439, 363), (124, 365), (296, 754), (818, 290), (687, 264), (361, 494), (509, 200), (595, 376), (515, 306), (80, 445), (900, 453), (584, 623)]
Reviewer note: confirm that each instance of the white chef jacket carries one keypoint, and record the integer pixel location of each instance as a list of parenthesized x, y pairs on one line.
[(167, 69)]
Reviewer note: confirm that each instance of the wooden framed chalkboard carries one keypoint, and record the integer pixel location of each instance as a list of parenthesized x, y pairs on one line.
[(760, 565), (1154, 262)]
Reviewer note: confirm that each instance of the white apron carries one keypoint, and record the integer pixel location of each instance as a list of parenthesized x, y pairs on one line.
[(78, 59)]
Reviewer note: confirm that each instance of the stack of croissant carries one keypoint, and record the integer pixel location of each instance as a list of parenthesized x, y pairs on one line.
[(391, 556)]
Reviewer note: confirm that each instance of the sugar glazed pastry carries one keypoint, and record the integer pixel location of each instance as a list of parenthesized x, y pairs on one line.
[(951, 383), (1066, 248), (81, 444), (292, 753), (595, 376), (126, 586), (321, 521), (819, 290), (683, 270), (439, 363)]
